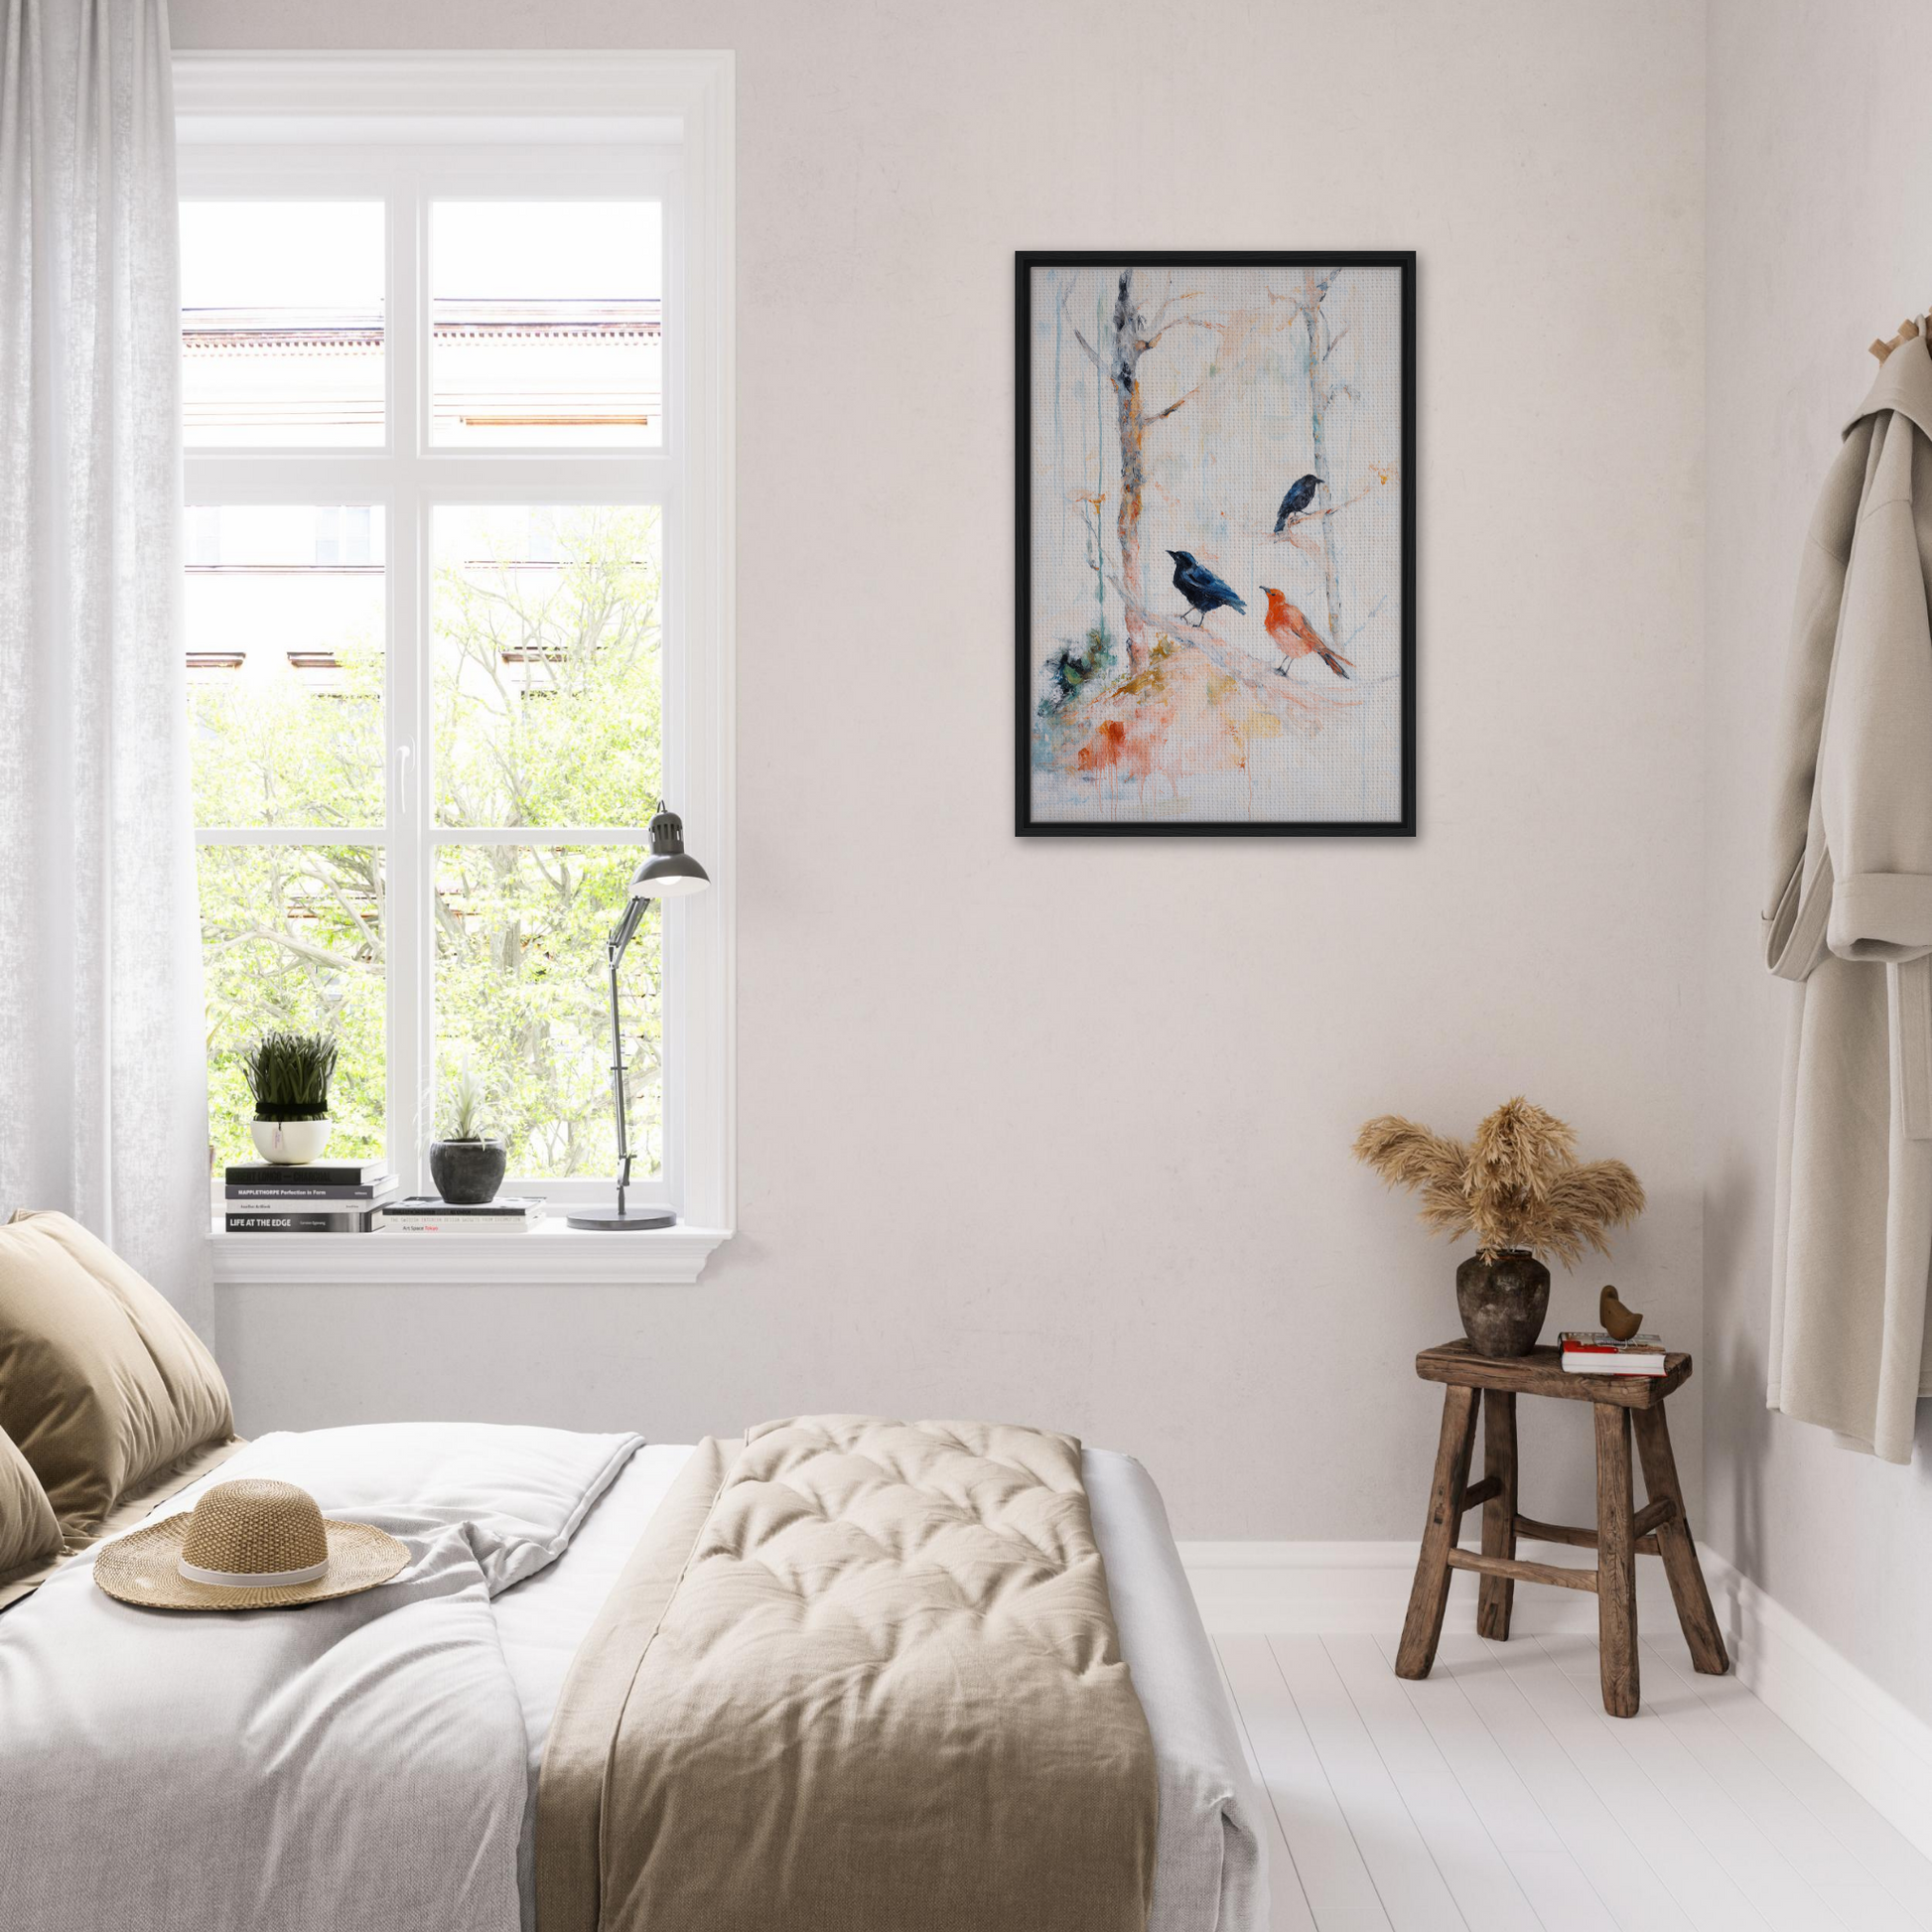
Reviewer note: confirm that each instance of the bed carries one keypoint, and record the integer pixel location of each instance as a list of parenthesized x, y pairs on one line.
[(839, 1674), (514, 1571)]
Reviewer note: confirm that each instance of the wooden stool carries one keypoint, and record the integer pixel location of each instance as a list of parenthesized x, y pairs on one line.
[(1621, 1535)]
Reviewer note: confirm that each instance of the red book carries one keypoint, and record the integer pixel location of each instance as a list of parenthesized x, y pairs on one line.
[(1591, 1351)]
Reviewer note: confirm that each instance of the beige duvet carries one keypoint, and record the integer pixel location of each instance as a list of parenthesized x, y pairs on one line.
[(868, 1672)]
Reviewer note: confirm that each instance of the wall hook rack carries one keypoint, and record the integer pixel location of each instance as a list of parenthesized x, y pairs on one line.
[(1908, 330)]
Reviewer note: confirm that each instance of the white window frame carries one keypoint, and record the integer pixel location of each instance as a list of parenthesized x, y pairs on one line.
[(404, 128)]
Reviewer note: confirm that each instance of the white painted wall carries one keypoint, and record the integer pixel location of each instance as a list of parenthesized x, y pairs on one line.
[(1059, 1132), (1819, 238)]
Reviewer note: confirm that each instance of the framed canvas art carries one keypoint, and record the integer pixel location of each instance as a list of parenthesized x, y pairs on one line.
[(1216, 624)]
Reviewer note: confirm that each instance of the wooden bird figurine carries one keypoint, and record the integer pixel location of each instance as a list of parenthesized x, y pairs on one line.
[(1618, 1321)]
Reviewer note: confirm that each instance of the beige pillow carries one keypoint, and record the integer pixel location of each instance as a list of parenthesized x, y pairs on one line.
[(29, 1533), (102, 1383)]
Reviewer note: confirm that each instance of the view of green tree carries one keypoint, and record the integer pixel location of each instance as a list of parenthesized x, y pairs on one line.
[(547, 704), (273, 751), (524, 1001), (548, 692), (548, 697), (292, 937)]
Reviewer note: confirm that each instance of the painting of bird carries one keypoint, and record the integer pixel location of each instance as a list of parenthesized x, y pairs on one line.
[(1301, 494), (1295, 636), (1201, 587)]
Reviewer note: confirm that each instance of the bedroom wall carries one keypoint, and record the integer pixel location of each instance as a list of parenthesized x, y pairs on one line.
[(1059, 1132), (1817, 244)]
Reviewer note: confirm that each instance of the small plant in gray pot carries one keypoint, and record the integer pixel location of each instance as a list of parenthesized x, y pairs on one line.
[(289, 1075), (468, 1162), (1520, 1189)]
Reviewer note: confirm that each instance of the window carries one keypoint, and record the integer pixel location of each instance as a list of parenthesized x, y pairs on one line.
[(457, 597)]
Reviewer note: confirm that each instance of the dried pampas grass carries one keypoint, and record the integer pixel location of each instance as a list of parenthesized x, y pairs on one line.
[(1430, 1164), (1517, 1185)]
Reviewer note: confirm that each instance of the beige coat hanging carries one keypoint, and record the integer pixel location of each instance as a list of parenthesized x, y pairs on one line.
[(1851, 919)]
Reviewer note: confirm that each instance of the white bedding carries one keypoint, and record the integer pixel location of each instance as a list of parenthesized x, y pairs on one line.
[(353, 1767), (1209, 1875), (372, 1762)]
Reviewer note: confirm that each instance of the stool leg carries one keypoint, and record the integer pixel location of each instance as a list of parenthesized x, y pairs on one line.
[(1616, 1562), (1423, 1629), (1678, 1547), (1496, 1596)]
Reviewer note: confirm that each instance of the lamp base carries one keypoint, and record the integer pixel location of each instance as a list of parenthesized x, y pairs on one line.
[(612, 1220)]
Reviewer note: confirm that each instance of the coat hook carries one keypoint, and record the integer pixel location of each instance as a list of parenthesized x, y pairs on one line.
[(1908, 330)]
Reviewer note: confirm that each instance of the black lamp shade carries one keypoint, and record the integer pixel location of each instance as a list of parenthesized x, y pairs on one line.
[(670, 871)]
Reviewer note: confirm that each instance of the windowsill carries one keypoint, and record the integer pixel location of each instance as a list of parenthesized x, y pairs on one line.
[(550, 1253)]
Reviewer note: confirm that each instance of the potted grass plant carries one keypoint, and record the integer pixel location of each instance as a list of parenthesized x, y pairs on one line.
[(468, 1162), (289, 1075), (1520, 1189)]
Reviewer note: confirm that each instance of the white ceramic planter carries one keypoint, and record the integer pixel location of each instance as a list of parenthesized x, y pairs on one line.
[(290, 1142)]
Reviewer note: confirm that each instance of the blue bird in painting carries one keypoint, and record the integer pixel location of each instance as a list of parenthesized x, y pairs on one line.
[(1200, 586), (1301, 494)]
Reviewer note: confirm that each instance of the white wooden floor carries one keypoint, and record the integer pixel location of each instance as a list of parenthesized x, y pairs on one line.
[(1497, 1796)]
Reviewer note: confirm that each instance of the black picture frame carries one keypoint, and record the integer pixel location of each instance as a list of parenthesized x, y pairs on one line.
[(1026, 261)]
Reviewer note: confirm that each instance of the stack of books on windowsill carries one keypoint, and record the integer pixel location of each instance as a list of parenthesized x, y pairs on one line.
[(317, 1197), (425, 1214), (1594, 1351)]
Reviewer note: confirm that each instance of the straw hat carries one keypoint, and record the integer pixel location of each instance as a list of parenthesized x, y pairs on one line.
[(249, 1544)]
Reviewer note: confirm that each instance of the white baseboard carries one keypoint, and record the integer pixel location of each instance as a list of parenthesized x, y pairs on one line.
[(1879, 1747), (1350, 1589), (1883, 1749)]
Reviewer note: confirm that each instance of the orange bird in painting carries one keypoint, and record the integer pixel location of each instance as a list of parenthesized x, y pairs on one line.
[(1295, 636)]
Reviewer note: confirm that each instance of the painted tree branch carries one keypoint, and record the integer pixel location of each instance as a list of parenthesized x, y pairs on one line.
[(1286, 533), (1168, 303), (1161, 415), (1132, 338), (1320, 344)]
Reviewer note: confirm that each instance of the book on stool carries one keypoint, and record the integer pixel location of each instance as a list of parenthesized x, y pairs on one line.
[(1596, 1351)]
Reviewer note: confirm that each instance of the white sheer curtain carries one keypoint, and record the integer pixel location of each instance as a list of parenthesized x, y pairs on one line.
[(102, 1071)]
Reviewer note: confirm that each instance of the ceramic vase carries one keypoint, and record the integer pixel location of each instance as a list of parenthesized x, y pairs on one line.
[(1503, 1300), (468, 1174)]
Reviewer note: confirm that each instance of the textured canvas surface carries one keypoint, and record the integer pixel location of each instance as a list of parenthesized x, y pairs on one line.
[(1215, 545)]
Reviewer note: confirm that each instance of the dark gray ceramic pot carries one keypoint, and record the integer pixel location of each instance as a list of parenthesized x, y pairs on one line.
[(468, 1174), (1503, 1301)]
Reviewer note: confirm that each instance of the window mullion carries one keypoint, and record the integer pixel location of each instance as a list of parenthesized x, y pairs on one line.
[(292, 835), (545, 835), (410, 1025)]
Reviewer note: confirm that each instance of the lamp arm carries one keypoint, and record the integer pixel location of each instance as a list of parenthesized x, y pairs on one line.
[(614, 950), (626, 928)]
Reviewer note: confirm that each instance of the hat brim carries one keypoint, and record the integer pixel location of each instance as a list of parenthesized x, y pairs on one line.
[(143, 1569)]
